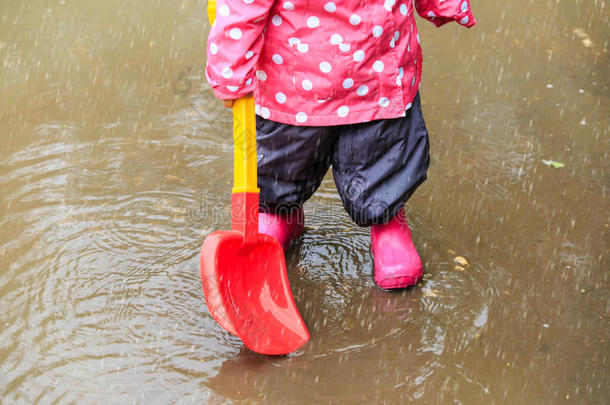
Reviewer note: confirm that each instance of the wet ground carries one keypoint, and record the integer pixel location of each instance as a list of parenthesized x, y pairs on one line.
[(115, 163)]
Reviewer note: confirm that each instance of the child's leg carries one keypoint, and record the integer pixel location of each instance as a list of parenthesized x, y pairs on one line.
[(292, 162), (377, 166)]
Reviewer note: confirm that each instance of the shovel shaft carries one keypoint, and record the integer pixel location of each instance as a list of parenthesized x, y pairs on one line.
[(244, 140), (244, 135), (211, 11), (244, 203), (244, 200), (244, 215)]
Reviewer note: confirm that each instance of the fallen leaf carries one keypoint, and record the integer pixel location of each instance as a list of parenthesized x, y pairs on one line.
[(172, 177), (553, 163), (462, 261), (584, 37), (459, 268)]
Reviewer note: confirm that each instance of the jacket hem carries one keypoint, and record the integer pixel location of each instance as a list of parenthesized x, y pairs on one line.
[(326, 120)]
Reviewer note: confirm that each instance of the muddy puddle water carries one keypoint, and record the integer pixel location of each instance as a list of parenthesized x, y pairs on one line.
[(115, 163)]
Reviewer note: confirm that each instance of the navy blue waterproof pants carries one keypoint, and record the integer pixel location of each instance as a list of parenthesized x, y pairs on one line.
[(376, 165)]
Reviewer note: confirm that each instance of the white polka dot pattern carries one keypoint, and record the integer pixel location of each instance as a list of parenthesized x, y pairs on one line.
[(301, 117), (355, 19), (389, 4), (280, 97), (313, 22), (343, 111), (348, 83), (345, 47), (307, 85), (235, 33), (378, 66), (224, 10), (330, 7), (362, 90), (227, 73)]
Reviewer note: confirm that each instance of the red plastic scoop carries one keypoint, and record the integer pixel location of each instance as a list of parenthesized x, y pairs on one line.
[(243, 272)]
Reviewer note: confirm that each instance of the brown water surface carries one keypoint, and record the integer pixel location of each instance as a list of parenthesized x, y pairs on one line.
[(116, 162)]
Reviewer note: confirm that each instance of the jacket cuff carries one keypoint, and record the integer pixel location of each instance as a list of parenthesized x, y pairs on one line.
[(466, 19), (228, 91)]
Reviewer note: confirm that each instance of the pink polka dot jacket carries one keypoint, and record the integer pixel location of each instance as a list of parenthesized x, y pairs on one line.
[(321, 62)]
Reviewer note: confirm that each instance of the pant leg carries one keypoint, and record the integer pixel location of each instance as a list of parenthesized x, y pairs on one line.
[(378, 165), (292, 161)]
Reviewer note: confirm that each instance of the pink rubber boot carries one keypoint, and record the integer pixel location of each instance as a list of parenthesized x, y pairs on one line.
[(397, 263), (284, 228)]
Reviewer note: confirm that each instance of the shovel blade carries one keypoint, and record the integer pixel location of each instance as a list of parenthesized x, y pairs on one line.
[(247, 292)]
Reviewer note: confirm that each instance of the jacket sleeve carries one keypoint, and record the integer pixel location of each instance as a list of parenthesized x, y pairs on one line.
[(440, 12), (234, 44)]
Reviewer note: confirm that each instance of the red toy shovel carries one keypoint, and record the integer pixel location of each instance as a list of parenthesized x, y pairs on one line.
[(243, 272)]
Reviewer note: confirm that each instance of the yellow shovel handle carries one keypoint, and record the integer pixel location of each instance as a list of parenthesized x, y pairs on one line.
[(211, 11), (244, 136), (244, 146)]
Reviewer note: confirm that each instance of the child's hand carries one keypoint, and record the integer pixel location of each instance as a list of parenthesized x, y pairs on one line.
[(229, 103)]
